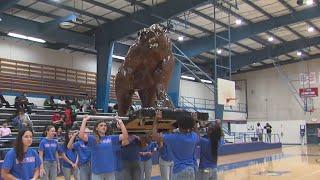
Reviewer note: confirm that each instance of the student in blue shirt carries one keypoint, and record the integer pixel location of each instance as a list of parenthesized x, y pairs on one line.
[(48, 152), (131, 158), (119, 174), (209, 153), (165, 163), (84, 154), (21, 162), (146, 153), (70, 159), (103, 148), (181, 146)]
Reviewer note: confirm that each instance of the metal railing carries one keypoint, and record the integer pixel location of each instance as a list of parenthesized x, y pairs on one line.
[(207, 104), (248, 137)]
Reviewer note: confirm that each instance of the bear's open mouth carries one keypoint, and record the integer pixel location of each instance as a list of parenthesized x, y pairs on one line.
[(153, 43)]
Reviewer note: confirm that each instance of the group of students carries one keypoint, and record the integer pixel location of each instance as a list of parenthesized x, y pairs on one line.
[(115, 157)]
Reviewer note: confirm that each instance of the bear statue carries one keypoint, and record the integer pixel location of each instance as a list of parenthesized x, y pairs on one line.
[(147, 69)]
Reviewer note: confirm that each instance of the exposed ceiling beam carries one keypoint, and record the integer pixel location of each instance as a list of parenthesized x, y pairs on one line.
[(32, 28), (41, 13), (291, 61), (272, 51), (284, 3), (6, 4), (72, 9), (147, 17), (197, 46), (111, 8)]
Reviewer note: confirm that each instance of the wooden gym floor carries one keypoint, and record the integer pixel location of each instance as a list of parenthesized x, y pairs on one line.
[(288, 163)]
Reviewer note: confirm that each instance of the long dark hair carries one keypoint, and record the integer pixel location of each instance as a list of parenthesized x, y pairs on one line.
[(214, 133), (95, 132), (18, 146)]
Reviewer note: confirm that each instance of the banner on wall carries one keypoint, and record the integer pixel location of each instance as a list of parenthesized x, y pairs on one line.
[(308, 92), (306, 78)]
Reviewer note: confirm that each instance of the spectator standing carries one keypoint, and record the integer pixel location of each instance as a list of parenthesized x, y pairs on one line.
[(259, 132), (268, 128)]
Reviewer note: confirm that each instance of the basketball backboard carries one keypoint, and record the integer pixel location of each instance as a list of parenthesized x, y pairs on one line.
[(226, 92)]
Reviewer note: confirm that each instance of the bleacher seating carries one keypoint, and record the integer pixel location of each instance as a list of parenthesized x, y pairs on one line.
[(19, 76)]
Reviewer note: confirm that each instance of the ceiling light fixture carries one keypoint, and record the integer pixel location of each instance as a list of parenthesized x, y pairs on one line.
[(309, 2), (310, 29), (219, 51), (238, 21), (118, 57), (299, 53), (206, 81), (188, 77), (180, 38), (20, 36)]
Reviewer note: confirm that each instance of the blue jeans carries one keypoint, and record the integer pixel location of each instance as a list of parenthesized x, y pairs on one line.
[(132, 170), (207, 174), (120, 174), (146, 168), (50, 170), (67, 172), (104, 176), (85, 171), (166, 168), (186, 174)]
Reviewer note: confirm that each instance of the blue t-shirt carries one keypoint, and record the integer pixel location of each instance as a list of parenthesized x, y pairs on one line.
[(182, 148), (24, 170), (83, 151), (164, 153), (71, 155), (131, 151), (206, 158), (103, 153), (118, 161), (49, 148), (151, 147)]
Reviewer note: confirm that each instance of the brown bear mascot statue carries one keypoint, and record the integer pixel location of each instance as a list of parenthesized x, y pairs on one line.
[(147, 69)]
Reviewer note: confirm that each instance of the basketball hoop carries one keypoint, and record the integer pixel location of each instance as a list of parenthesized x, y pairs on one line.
[(229, 100), (312, 110)]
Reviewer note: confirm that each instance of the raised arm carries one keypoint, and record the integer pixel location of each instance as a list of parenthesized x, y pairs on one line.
[(155, 135), (83, 127), (124, 133), (70, 143)]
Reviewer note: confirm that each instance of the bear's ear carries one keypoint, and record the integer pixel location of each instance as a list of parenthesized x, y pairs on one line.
[(165, 29)]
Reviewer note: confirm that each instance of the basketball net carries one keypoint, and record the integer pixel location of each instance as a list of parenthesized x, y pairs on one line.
[(229, 101)]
